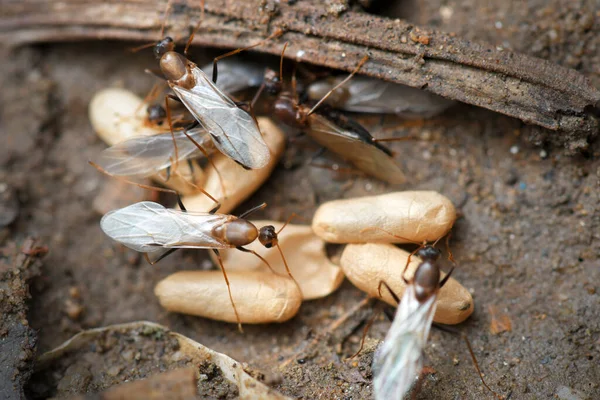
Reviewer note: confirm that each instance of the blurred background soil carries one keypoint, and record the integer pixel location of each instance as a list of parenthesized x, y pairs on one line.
[(527, 246)]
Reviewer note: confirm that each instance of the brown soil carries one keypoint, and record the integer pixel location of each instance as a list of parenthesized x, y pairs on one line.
[(528, 243)]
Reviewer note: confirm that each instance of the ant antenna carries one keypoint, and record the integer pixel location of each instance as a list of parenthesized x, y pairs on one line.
[(281, 62), (275, 35), (196, 29), (162, 29), (252, 210), (166, 12), (290, 218), (360, 64)]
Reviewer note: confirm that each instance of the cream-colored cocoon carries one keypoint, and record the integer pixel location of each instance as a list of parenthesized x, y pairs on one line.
[(304, 252), (365, 265), (239, 183), (416, 216), (260, 296), (118, 114)]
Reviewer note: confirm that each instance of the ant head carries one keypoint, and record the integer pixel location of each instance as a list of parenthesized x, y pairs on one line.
[(267, 236), (156, 113), (163, 46), (429, 253), (273, 84), (286, 110)]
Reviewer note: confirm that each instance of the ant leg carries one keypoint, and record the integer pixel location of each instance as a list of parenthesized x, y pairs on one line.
[(389, 314), (443, 281), (180, 203), (335, 168), (287, 268), (364, 335), (408, 263), (237, 317), (190, 165), (205, 153), (168, 110), (166, 253), (245, 250), (173, 97), (451, 258), (392, 293), (447, 328), (252, 210), (372, 320)]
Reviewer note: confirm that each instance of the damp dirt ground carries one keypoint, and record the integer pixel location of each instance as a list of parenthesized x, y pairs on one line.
[(527, 244)]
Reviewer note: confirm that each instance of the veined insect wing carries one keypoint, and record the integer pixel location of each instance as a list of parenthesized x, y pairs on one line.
[(399, 359), (143, 156), (234, 131), (351, 142)]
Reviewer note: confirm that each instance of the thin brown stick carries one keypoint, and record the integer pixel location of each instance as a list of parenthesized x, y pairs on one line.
[(528, 88)]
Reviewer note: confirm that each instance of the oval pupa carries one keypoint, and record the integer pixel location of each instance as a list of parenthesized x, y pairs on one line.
[(304, 252), (239, 183), (118, 115), (260, 296), (365, 265), (417, 216)]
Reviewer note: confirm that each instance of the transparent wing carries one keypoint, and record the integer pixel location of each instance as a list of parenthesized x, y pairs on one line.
[(370, 95), (399, 359), (233, 130), (356, 149), (144, 156), (147, 227), (236, 74)]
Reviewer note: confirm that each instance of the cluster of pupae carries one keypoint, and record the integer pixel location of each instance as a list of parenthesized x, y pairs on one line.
[(214, 153)]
